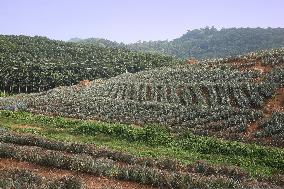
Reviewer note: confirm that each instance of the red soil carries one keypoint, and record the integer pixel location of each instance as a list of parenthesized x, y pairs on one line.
[(251, 128), (90, 181), (256, 65), (275, 104)]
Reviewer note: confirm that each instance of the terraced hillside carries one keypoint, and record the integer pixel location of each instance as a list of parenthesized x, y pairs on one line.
[(230, 98)]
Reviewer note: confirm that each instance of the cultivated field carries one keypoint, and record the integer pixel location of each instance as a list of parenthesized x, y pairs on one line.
[(215, 123)]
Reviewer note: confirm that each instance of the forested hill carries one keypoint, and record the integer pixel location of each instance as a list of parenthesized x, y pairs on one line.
[(29, 64), (209, 42)]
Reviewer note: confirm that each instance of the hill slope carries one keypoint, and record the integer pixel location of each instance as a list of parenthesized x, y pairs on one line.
[(229, 98), (184, 126), (30, 64)]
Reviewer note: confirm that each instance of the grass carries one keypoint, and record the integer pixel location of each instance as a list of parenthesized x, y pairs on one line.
[(146, 143)]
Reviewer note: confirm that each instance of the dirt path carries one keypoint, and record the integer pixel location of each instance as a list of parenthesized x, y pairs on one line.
[(91, 182)]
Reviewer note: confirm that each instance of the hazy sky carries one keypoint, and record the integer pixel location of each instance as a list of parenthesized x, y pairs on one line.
[(133, 20)]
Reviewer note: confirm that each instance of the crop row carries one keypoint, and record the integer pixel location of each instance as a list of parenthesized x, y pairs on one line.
[(17, 178), (104, 167), (182, 74), (153, 103), (267, 57), (103, 108), (207, 94), (130, 111), (204, 145), (273, 60), (276, 75), (91, 150), (272, 126), (95, 152)]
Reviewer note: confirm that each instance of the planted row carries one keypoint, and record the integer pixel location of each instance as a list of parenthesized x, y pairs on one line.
[(18, 178), (104, 167), (92, 150), (128, 111), (154, 135), (206, 94)]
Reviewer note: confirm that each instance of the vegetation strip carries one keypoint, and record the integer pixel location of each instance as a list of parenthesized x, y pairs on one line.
[(155, 136), (102, 167), (92, 150), (18, 178), (62, 129)]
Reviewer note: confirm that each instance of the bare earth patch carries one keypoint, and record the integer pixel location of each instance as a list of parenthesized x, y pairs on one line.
[(20, 126)]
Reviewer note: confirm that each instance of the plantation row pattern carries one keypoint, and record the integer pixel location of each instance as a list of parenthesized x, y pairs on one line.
[(19, 178), (152, 103), (110, 169), (78, 157), (129, 111), (208, 94), (96, 152)]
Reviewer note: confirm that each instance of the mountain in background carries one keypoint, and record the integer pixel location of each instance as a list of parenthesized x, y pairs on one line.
[(207, 42)]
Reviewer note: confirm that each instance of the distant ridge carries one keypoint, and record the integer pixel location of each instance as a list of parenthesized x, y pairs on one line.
[(209, 42)]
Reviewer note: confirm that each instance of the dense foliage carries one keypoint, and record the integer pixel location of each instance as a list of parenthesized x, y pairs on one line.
[(209, 42), (170, 108), (108, 168), (273, 126), (31, 64)]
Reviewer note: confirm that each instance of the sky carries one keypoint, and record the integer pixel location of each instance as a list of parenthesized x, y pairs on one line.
[(133, 20)]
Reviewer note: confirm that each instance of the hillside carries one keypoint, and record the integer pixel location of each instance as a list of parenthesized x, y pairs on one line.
[(216, 123), (30, 64), (221, 97), (209, 42)]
